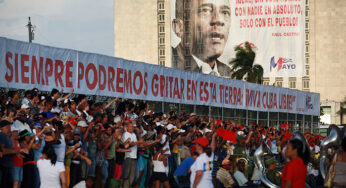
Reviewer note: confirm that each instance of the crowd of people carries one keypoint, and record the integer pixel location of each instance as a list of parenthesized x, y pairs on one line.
[(52, 140)]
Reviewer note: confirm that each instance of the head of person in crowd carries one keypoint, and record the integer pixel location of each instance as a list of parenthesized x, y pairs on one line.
[(72, 105), (5, 127), (49, 153), (27, 94), (241, 165), (55, 94), (13, 95), (25, 136), (202, 146), (295, 148), (226, 164), (76, 134), (37, 126), (48, 106), (241, 138), (22, 116), (82, 125), (82, 99), (194, 155), (129, 126), (11, 112)]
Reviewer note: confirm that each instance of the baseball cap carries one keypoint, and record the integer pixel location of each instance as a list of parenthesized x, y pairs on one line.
[(38, 124), (24, 106), (24, 133), (170, 127), (73, 121), (117, 119), (202, 141), (193, 114), (181, 131), (4, 123), (82, 124)]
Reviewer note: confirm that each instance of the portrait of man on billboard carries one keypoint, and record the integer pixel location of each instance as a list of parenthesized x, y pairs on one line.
[(203, 27)]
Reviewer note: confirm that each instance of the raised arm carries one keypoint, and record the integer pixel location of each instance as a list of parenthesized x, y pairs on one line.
[(110, 103), (213, 142), (67, 96)]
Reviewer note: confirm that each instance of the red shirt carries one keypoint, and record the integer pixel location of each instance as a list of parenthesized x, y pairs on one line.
[(294, 171), (17, 161)]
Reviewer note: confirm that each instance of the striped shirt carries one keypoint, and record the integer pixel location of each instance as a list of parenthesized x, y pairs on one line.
[(225, 177)]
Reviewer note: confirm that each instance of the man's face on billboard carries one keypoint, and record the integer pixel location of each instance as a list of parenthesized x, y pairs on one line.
[(210, 24)]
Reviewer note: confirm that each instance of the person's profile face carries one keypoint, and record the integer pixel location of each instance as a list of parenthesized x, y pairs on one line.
[(289, 151), (211, 21)]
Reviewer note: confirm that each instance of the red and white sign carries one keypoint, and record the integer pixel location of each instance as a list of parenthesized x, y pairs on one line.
[(26, 65)]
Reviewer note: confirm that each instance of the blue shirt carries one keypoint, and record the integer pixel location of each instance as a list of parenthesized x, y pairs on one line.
[(6, 160), (38, 152), (184, 167), (48, 114)]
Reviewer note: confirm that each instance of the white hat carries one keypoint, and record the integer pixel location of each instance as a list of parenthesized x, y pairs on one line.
[(181, 131), (82, 124), (24, 106), (117, 119), (206, 130), (170, 127), (159, 124), (240, 133)]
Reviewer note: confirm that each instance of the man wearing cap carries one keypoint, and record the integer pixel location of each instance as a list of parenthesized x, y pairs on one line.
[(272, 174), (25, 108), (20, 123), (224, 175), (6, 154)]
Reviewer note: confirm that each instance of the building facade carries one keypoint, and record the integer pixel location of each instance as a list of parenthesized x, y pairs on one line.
[(325, 66), (142, 33)]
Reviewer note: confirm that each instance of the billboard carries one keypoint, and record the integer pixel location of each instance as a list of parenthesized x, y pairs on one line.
[(25, 65), (204, 34)]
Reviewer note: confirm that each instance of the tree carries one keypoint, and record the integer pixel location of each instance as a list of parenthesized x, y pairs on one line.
[(243, 67), (342, 107)]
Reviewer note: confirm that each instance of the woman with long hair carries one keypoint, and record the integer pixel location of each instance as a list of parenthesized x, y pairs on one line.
[(51, 171), (203, 166), (295, 171)]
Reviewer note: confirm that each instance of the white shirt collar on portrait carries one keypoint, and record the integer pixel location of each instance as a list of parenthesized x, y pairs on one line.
[(205, 67)]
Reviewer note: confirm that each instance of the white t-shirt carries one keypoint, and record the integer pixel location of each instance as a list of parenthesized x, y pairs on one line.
[(60, 149), (133, 138), (240, 178), (21, 126), (49, 174), (163, 140), (204, 163)]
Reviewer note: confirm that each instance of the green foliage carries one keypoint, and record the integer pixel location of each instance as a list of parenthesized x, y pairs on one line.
[(243, 66)]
